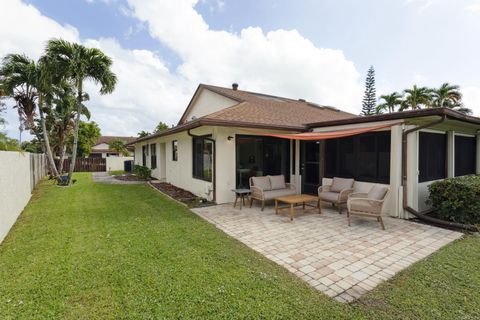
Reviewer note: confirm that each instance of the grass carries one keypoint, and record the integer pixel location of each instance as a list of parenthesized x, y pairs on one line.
[(116, 172), (124, 251)]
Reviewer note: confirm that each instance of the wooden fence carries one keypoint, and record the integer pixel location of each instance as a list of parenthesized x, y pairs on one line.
[(86, 165)]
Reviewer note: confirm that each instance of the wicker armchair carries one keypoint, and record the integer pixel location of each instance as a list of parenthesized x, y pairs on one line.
[(368, 204), (337, 193)]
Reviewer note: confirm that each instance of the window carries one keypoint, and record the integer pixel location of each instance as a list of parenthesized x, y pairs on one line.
[(432, 156), (364, 157), (144, 155), (202, 158), (465, 155), (153, 156), (174, 150), (261, 156)]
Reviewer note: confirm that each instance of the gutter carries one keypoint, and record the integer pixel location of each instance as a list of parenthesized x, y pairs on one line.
[(214, 178), (423, 215)]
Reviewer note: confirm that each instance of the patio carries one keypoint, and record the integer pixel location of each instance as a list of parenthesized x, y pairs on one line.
[(340, 261)]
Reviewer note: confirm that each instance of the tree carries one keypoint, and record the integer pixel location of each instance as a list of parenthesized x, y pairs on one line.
[(160, 127), (391, 101), (28, 83), (8, 144), (143, 133), (369, 97), (32, 146), (78, 63), (88, 134), (416, 97), (449, 96), (119, 146)]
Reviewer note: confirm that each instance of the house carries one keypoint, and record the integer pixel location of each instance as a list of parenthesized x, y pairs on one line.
[(227, 135), (101, 148)]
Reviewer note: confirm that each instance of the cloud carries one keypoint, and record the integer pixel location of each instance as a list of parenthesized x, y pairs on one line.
[(278, 62), (473, 8), (471, 99)]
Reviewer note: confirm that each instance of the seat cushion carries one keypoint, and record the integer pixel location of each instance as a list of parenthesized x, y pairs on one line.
[(364, 206), (272, 194), (262, 182), (277, 182), (340, 184), (377, 192), (329, 196)]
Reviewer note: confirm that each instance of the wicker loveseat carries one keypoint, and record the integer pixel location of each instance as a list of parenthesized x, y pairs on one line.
[(268, 188)]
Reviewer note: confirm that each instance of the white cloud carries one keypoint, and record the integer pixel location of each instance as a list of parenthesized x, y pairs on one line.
[(471, 99), (473, 8), (422, 4), (279, 62)]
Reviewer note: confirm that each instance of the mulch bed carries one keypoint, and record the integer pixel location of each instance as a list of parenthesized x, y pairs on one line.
[(129, 177), (174, 192)]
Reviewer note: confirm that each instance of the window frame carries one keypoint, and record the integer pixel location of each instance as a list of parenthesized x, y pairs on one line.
[(174, 150), (153, 156), (424, 176), (336, 162), (474, 155), (144, 154), (201, 140)]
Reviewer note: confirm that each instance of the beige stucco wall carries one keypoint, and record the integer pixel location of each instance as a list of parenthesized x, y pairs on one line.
[(208, 102), (116, 163), (17, 179)]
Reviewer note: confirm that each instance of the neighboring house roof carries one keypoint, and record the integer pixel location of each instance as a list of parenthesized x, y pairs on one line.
[(108, 139), (257, 110)]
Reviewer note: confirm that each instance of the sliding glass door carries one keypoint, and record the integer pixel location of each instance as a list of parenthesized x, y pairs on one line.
[(261, 156)]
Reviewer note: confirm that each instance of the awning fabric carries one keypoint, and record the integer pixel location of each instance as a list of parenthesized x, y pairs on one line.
[(328, 134)]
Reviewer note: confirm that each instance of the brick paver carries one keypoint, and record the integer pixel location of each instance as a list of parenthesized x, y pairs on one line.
[(340, 261)]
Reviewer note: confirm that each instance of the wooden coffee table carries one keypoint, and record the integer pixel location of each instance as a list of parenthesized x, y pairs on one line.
[(296, 200)]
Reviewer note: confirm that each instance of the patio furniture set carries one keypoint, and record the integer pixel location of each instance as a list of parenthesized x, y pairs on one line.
[(340, 194)]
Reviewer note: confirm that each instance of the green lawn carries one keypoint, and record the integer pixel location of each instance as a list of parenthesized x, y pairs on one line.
[(116, 172), (124, 251)]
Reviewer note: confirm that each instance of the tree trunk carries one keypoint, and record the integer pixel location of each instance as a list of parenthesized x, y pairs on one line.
[(63, 149), (45, 138), (75, 131)]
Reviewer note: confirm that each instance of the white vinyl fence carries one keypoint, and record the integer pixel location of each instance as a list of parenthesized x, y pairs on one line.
[(19, 174)]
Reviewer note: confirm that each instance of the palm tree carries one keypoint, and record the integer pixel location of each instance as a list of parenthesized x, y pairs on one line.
[(119, 146), (25, 81), (390, 102), (78, 63), (416, 97), (447, 96)]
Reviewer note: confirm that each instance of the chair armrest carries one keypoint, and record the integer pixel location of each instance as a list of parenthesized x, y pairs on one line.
[(256, 192), (324, 188), (344, 194), (290, 186)]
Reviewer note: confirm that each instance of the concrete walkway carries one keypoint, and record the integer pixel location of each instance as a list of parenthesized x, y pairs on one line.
[(340, 261), (104, 177)]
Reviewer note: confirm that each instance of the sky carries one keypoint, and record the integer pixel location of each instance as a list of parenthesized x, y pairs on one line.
[(318, 50)]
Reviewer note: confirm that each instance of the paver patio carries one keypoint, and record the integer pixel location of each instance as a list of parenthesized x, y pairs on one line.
[(340, 261)]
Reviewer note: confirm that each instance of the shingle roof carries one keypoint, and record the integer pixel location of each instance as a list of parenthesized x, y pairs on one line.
[(272, 110), (108, 139), (258, 110)]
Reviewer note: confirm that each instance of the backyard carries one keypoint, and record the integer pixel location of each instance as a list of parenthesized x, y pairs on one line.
[(125, 251)]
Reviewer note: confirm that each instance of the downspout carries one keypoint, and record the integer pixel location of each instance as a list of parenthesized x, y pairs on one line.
[(214, 178), (423, 215)]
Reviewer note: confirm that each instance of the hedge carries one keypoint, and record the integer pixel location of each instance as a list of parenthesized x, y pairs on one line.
[(456, 199), (142, 172)]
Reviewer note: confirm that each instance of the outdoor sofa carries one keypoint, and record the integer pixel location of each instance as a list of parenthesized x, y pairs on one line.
[(268, 188)]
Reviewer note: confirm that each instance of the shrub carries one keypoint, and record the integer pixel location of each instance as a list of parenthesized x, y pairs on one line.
[(142, 172), (456, 199)]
